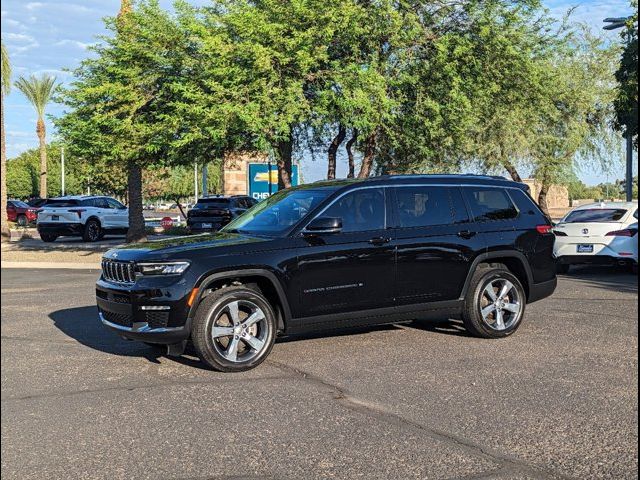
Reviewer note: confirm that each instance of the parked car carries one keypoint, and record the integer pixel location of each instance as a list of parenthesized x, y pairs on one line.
[(89, 217), (37, 202), (21, 213), (212, 213), (336, 254), (600, 233)]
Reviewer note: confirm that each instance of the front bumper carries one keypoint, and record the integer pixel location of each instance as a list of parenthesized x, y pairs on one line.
[(154, 315), (60, 229)]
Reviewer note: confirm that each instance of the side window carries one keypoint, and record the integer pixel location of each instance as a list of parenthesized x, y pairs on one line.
[(114, 203), (524, 202), (423, 206), (360, 211), (489, 204), (459, 208), (101, 203)]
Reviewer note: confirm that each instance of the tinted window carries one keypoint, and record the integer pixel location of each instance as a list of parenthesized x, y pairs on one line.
[(596, 215), (213, 203), (423, 206), (490, 204), (62, 203), (279, 212), (113, 203), (524, 202), (97, 202), (460, 213), (360, 211), (17, 204)]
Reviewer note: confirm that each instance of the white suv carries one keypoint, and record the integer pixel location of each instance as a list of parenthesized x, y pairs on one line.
[(89, 217), (599, 233)]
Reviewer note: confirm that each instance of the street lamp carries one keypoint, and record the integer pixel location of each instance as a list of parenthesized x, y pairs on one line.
[(613, 24)]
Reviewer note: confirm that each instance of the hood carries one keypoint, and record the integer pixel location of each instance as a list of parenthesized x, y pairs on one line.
[(183, 246)]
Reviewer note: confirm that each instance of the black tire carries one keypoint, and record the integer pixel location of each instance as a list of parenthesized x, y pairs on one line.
[(563, 268), (215, 307), (92, 231), (48, 237), (477, 299), (22, 221)]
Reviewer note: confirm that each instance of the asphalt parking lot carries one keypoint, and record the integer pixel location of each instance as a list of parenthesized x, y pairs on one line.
[(422, 400)]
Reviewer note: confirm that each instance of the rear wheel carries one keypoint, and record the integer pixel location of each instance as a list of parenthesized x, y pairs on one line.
[(234, 329), (22, 221), (48, 237), (92, 231), (495, 304)]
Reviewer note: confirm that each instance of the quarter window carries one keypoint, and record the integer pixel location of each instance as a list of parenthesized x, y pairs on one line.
[(490, 204), (360, 211), (426, 206)]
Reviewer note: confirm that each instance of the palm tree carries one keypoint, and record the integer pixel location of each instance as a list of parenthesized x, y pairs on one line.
[(38, 91), (6, 87)]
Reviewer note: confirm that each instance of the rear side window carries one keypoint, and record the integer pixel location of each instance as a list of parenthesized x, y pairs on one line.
[(524, 202), (596, 215), (489, 204), (429, 206)]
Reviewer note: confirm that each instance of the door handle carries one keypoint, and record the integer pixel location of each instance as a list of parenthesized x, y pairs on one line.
[(379, 241), (467, 234)]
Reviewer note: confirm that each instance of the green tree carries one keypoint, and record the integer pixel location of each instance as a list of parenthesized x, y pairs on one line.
[(626, 102), (39, 91), (4, 90)]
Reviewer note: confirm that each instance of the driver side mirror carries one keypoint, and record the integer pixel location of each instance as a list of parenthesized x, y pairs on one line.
[(324, 225)]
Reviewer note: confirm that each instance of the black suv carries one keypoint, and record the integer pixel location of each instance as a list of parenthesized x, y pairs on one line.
[(337, 254), (212, 213)]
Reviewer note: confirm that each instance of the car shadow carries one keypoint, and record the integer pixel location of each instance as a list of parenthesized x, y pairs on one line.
[(613, 278), (83, 325)]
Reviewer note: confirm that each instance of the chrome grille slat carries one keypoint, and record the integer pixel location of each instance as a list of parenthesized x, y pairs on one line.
[(118, 272)]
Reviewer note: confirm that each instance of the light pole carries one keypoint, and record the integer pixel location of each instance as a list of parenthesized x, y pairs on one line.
[(615, 23), (62, 168), (195, 182)]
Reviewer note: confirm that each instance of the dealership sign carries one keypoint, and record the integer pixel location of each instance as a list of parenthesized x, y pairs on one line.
[(263, 179)]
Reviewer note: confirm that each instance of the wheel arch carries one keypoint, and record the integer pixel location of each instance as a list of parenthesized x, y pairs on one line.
[(516, 262), (266, 281)]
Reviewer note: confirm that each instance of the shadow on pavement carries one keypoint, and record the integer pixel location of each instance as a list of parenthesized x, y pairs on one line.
[(617, 279)]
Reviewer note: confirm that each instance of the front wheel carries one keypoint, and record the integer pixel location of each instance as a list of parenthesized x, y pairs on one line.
[(234, 329), (495, 304)]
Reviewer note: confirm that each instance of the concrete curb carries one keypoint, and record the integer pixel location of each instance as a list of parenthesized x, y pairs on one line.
[(51, 265)]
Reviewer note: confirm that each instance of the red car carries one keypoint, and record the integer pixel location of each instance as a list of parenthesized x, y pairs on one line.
[(21, 213)]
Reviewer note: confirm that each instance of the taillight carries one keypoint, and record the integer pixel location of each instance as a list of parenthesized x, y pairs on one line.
[(627, 232), (544, 229), (78, 211)]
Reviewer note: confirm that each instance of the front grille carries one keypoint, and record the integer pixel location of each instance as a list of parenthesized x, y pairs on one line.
[(123, 319), (157, 319), (118, 272)]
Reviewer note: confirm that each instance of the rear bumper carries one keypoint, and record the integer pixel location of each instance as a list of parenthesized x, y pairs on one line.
[(69, 229), (595, 259), (538, 291)]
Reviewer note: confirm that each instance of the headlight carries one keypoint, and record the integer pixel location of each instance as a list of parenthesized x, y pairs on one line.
[(168, 268)]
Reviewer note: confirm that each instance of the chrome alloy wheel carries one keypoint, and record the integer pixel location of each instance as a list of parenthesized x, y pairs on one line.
[(240, 331), (500, 304)]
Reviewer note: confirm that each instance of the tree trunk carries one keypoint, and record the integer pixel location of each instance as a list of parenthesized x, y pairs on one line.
[(136, 232), (542, 196), (42, 132), (285, 152), (3, 173), (515, 176), (352, 164), (333, 151), (369, 153)]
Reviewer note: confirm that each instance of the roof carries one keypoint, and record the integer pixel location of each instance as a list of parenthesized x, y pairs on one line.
[(604, 205)]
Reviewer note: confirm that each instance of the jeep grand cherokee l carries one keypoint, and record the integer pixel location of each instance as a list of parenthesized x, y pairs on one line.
[(336, 254)]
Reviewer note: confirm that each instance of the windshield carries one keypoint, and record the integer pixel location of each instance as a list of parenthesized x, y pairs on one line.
[(278, 213), (19, 204), (596, 215)]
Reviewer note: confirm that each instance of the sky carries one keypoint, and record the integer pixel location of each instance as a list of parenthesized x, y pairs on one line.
[(49, 36)]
